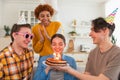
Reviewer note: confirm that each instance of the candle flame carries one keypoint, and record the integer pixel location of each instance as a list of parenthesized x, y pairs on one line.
[(57, 56)]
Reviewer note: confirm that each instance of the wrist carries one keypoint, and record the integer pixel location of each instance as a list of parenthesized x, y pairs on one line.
[(69, 69), (47, 69)]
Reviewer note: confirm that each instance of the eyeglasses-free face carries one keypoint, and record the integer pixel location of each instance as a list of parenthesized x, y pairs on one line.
[(25, 35)]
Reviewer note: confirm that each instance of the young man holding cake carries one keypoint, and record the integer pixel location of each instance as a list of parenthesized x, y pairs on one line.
[(46, 69), (103, 61)]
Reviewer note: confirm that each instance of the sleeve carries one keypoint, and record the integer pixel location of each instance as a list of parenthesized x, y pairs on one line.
[(60, 30), (40, 71), (87, 64), (90, 63), (37, 45), (71, 61), (1, 71), (112, 70), (75, 67)]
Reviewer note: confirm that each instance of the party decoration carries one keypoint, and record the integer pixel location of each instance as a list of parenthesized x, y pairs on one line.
[(21, 19), (110, 18)]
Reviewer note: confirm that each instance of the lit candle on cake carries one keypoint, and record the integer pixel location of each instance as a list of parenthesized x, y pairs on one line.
[(57, 56), (56, 60)]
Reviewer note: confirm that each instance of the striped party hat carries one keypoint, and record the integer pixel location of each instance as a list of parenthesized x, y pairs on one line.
[(111, 17)]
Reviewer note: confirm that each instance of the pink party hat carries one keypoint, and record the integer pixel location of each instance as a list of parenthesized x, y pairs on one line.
[(111, 17)]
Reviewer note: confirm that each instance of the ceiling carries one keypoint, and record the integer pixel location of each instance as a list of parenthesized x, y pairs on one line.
[(98, 1)]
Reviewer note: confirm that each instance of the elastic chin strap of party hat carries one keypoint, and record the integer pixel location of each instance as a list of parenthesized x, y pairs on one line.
[(110, 18), (21, 19)]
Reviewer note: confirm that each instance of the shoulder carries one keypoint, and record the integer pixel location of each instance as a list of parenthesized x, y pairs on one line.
[(68, 58), (115, 50), (94, 51), (30, 52), (45, 57), (56, 23), (35, 26), (5, 50)]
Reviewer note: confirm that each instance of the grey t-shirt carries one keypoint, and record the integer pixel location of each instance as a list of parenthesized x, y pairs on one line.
[(107, 63), (56, 75)]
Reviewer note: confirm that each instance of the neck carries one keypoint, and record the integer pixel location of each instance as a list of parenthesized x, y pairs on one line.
[(17, 49), (45, 24), (105, 46)]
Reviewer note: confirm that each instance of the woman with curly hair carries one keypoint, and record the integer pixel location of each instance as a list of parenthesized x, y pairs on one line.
[(44, 30)]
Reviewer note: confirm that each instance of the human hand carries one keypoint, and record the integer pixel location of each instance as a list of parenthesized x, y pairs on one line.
[(47, 69), (1, 66), (46, 33), (41, 36), (62, 68)]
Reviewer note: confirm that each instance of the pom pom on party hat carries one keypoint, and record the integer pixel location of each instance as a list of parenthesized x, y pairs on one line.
[(21, 19), (110, 18)]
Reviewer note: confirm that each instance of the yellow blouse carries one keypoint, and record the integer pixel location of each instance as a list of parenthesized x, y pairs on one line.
[(44, 48)]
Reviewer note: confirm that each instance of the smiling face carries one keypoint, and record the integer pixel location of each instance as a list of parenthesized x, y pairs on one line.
[(98, 37), (45, 17), (58, 45), (23, 37)]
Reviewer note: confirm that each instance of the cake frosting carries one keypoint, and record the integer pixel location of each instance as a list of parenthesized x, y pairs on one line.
[(54, 62)]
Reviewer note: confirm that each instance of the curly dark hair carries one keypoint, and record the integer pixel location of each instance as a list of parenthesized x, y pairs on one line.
[(44, 7), (100, 24)]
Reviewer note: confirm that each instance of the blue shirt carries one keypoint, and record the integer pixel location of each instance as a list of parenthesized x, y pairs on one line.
[(40, 71)]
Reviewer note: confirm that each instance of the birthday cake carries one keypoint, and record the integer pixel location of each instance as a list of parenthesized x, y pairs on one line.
[(54, 62)]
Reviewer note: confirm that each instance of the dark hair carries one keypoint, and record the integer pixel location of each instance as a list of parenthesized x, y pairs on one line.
[(44, 7), (60, 36), (100, 23), (17, 27)]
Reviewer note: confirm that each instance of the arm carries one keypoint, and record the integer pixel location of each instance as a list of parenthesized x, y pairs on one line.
[(56, 27), (1, 71), (36, 41), (46, 33), (81, 76), (72, 63), (41, 73)]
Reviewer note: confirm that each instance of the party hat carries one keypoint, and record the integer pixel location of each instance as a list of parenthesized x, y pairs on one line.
[(111, 17), (21, 19)]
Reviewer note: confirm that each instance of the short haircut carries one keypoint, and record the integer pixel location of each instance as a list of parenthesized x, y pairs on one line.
[(17, 27), (100, 24), (59, 36)]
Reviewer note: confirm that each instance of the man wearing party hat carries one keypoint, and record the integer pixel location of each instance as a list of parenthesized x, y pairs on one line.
[(16, 60), (104, 60)]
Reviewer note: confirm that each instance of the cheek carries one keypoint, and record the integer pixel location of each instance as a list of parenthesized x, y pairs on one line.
[(61, 48), (40, 19), (102, 38), (53, 47), (49, 18)]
